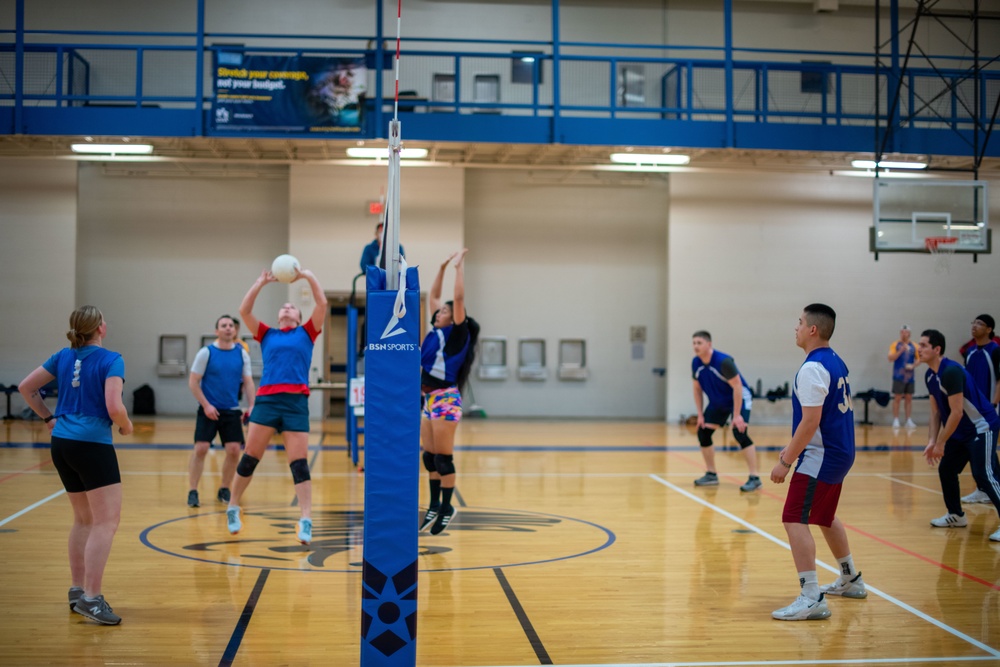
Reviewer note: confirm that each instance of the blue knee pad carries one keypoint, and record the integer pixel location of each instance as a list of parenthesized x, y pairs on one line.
[(429, 462), (445, 464), (705, 436), (246, 465), (742, 438), (300, 471)]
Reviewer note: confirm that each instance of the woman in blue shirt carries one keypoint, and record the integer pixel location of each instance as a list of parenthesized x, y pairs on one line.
[(445, 359), (90, 381)]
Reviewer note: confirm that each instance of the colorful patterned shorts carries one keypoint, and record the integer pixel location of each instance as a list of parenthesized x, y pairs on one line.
[(443, 404)]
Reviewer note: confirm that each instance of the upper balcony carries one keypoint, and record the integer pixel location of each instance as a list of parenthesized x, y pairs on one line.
[(167, 84)]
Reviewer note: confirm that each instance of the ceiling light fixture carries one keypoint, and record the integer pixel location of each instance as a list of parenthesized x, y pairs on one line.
[(650, 158), (113, 149), (884, 164), (383, 153)]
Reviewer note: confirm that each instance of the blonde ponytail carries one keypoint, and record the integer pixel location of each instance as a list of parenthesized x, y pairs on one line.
[(83, 323)]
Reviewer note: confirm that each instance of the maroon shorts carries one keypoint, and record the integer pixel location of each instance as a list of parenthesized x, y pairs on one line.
[(810, 501)]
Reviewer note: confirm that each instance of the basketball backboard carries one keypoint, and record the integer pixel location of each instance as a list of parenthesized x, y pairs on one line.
[(907, 212)]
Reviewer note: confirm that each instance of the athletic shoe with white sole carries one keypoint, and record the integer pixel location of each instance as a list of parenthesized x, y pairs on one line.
[(803, 609), (752, 484), (75, 593), (708, 479), (444, 518), (97, 609), (848, 588), (428, 520), (305, 530), (950, 521), (975, 497), (233, 520)]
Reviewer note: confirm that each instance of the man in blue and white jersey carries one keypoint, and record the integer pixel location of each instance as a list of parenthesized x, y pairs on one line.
[(982, 360), (715, 374), (823, 444), (218, 372), (963, 429)]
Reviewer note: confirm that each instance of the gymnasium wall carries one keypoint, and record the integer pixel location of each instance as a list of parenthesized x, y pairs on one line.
[(748, 250)]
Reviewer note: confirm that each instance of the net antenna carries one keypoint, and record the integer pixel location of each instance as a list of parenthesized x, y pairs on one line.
[(392, 265), (942, 248)]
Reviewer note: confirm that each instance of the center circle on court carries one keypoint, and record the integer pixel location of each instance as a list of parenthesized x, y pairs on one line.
[(477, 538)]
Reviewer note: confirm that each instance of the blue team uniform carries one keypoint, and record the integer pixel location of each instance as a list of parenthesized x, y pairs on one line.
[(223, 377), (714, 383), (978, 416), (980, 363), (287, 357), (81, 374), (830, 454), (441, 358)]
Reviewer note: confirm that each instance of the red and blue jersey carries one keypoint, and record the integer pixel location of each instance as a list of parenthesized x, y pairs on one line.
[(287, 356)]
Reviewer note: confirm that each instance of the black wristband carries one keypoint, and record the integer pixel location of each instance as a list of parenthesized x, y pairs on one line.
[(49, 418), (782, 462)]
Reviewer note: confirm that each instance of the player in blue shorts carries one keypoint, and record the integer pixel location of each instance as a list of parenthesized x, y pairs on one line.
[(823, 443), (963, 430), (90, 380), (282, 404), (715, 374)]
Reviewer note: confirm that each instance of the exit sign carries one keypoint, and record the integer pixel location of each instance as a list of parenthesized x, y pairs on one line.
[(376, 208)]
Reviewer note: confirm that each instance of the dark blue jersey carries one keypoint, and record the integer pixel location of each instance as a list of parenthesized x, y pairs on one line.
[(714, 380), (978, 415), (982, 364)]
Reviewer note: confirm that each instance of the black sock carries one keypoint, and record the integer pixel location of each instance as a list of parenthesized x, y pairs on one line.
[(435, 493), (446, 496)]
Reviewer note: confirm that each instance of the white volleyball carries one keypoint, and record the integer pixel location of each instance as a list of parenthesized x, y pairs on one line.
[(285, 268)]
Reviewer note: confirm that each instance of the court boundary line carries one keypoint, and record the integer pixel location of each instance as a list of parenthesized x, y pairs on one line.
[(995, 653), (31, 507), (522, 618), (244, 621)]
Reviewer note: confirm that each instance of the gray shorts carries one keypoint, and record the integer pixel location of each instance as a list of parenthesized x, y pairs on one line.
[(900, 387)]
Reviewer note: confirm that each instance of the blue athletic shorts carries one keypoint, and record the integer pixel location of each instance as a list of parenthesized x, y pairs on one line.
[(283, 412)]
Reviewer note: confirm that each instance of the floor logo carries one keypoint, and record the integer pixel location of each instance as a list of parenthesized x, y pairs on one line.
[(477, 538)]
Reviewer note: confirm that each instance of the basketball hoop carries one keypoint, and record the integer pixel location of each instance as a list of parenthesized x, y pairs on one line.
[(943, 249)]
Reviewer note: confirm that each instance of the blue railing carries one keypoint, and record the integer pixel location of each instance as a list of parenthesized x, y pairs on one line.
[(505, 91)]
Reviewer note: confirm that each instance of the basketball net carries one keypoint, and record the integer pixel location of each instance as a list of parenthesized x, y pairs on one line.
[(942, 248)]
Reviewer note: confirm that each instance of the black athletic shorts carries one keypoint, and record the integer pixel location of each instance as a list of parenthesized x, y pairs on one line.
[(85, 466), (721, 417), (229, 426)]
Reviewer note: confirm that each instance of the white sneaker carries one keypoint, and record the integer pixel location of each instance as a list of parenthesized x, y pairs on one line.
[(976, 496), (910, 424), (895, 423), (803, 609), (848, 588), (950, 521), (995, 537)]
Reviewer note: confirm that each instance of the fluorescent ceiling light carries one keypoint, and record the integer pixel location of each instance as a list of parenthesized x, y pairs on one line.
[(881, 174), (113, 149), (383, 153), (871, 164), (649, 158)]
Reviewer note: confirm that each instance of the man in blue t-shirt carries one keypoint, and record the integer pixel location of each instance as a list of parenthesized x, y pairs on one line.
[(903, 355), (982, 360), (217, 374), (963, 429), (823, 445), (714, 374)]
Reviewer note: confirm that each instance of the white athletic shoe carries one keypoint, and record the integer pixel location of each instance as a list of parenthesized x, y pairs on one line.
[(895, 423), (848, 588), (910, 424), (950, 521), (976, 496), (803, 609), (995, 537)]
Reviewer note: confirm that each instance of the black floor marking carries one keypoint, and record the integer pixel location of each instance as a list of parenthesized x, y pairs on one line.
[(459, 499), (241, 626), (529, 630)]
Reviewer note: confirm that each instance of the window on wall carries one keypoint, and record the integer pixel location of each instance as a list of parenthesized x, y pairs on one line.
[(523, 65)]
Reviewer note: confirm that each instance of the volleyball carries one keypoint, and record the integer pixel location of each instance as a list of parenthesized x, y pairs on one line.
[(285, 268)]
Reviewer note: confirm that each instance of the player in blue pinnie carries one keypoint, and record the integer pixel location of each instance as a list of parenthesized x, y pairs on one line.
[(715, 374)]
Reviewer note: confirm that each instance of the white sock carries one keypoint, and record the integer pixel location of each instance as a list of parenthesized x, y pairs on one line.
[(847, 569), (810, 584)]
